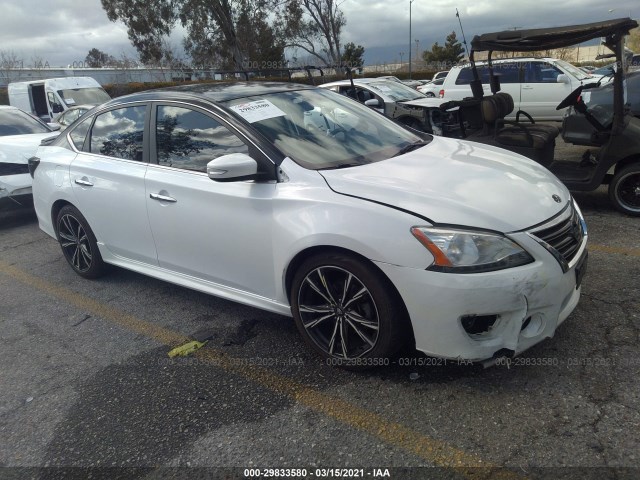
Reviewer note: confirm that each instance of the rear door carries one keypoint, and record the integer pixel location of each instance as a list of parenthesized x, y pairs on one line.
[(107, 177), (508, 72), (541, 90)]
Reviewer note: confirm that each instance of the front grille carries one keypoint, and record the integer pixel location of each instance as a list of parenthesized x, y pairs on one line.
[(565, 235)]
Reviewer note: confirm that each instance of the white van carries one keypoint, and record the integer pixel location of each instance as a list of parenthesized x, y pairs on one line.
[(49, 97), (537, 85)]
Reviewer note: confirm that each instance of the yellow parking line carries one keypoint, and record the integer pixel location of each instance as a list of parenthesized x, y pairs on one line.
[(633, 252), (435, 452)]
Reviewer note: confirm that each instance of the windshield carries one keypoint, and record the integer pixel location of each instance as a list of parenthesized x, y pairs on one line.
[(398, 92), (79, 96), (17, 122), (575, 71), (607, 70), (321, 129)]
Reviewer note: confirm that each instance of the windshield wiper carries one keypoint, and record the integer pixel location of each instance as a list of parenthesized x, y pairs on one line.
[(411, 146)]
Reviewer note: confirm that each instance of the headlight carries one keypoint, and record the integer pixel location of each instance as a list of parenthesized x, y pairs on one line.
[(460, 251)]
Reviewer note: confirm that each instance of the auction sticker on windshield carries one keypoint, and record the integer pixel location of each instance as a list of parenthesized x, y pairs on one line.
[(257, 111)]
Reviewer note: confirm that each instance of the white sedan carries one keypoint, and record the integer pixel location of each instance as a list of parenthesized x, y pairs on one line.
[(20, 136), (303, 202)]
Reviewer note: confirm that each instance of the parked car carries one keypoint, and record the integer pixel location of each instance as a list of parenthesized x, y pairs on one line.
[(46, 98), (398, 101), (439, 75), (576, 128), (409, 83), (20, 136), (432, 89), (537, 85), (72, 114), (296, 200)]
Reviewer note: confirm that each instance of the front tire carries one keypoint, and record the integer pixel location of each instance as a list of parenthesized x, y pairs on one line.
[(624, 190), (78, 243), (347, 311)]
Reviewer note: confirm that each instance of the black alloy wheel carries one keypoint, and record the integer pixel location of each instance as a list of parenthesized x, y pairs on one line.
[(624, 190), (347, 311), (78, 243)]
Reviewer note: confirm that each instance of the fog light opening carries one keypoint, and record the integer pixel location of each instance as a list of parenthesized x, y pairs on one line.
[(533, 326), (525, 324), (478, 324)]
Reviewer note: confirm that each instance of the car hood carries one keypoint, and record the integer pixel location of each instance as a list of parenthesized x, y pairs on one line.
[(18, 148), (458, 183), (428, 102)]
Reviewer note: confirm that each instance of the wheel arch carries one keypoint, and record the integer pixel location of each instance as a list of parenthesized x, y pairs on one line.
[(625, 162), (301, 256), (55, 210)]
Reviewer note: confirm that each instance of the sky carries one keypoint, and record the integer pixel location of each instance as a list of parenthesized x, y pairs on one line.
[(61, 32)]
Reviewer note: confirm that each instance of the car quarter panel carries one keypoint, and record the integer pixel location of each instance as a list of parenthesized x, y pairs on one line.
[(51, 184)]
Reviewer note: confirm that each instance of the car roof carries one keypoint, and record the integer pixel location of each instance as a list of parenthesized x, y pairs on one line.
[(359, 81), (214, 92)]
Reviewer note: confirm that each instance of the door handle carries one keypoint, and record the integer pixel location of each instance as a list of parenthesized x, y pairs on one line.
[(527, 87), (83, 182), (162, 198)]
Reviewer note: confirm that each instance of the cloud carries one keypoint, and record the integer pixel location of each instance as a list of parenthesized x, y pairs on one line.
[(64, 31)]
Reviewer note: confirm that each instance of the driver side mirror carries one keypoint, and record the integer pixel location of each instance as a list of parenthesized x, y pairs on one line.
[(232, 168), (373, 103), (562, 78), (57, 108)]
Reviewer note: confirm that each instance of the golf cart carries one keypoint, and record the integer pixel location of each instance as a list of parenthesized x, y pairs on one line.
[(617, 160)]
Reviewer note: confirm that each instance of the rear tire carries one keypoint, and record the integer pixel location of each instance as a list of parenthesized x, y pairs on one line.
[(78, 243), (624, 190), (347, 311)]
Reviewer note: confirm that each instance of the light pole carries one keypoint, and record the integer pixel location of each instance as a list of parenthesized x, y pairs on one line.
[(410, 40), (401, 54)]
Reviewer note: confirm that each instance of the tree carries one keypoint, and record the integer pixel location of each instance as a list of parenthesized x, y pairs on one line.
[(315, 26), (212, 28), (451, 52), (148, 23), (9, 64), (97, 58), (633, 42), (353, 55)]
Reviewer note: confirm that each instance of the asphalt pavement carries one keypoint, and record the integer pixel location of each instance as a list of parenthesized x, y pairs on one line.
[(87, 388)]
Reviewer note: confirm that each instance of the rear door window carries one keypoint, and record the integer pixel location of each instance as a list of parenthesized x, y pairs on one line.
[(119, 133), (508, 73)]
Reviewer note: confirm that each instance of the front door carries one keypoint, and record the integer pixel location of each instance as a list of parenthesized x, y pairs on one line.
[(215, 231)]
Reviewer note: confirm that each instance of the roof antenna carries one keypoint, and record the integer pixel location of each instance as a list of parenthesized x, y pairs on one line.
[(464, 40)]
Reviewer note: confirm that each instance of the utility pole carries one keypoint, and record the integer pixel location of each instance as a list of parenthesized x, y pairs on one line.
[(410, 38)]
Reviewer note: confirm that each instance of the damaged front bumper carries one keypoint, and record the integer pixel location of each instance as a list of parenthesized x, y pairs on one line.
[(15, 191), (483, 316)]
